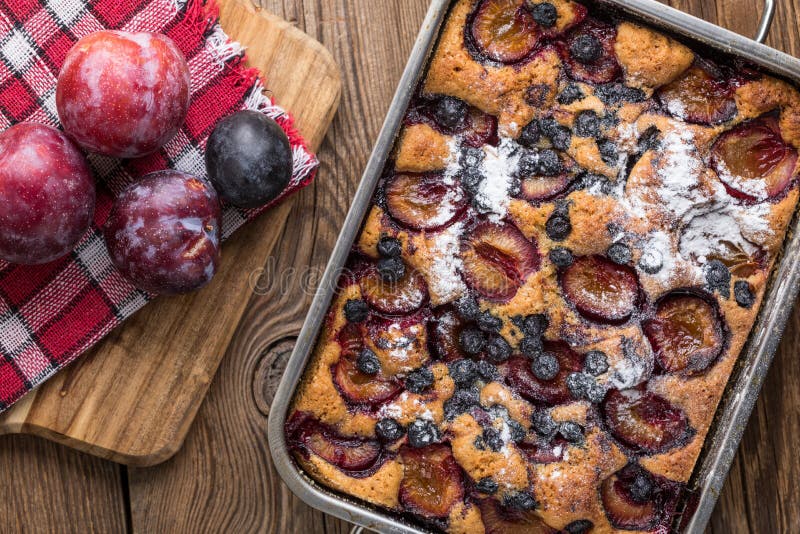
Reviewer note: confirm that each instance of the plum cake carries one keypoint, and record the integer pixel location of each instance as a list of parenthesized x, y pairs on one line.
[(563, 259)]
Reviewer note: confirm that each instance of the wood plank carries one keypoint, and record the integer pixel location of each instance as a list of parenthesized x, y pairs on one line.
[(133, 398), (223, 478), (50, 488)]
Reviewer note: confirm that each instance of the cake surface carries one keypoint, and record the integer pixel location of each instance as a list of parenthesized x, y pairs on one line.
[(563, 260)]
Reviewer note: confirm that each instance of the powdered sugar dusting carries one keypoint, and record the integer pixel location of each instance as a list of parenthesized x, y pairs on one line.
[(445, 273), (705, 236), (680, 169), (676, 108), (454, 196), (706, 222), (499, 166), (627, 373), (444, 277), (755, 188), (658, 256), (400, 407)]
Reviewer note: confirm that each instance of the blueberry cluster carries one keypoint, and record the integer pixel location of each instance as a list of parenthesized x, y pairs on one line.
[(558, 226), (547, 429)]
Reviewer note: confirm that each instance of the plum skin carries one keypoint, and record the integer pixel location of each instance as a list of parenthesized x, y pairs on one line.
[(47, 194), (123, 94), (248, 159), (163, 233)]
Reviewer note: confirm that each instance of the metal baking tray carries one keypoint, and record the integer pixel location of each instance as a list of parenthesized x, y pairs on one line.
[(745, 383)]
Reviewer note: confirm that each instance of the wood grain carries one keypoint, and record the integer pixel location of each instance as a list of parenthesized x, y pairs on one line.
[(222, 480), (51, 488), (133, 398)]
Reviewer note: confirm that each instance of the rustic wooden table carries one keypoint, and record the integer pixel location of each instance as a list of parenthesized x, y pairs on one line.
[(223, 479)]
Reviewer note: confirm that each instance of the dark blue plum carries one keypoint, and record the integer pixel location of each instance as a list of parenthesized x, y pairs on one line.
[(249, 159)]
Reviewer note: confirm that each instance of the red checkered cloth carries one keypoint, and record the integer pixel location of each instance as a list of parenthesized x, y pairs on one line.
[(52, 313)]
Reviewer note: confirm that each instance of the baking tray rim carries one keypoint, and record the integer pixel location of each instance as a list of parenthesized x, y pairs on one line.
[(741, 391)]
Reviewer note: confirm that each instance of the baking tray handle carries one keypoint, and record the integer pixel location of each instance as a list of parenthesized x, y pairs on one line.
[(766, 20)]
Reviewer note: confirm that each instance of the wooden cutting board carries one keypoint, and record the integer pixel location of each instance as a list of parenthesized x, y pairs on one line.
[(134, 396)]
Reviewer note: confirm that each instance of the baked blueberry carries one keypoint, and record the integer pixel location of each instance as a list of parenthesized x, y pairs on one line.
[(420, 380), (517, 431), (641, 489), (649, 140), (531, 346), (549, 163), (545, 366), (587, 124), (619, 253), (521, 501), (422, 433), (389, 430), (463, 372), (586, 48), (545, 14), (652, 261), (487, 371), (489, 323), (356, 310), (533, 325), (578, 385), (530, 134), (571, 93), (515, 186), (471, 156), (608, 152), (561, 257), (497, 349), (471, 340), (463, 400), (492, 439), (540, 163), (368, 362), (597, 182), (744, 294), (543, 424), (450, 112), (528, 164), (248, 159), (498, 411), (467, 308), (558, 226), (612, 94), (595, 362), (718, 278), (609, 120), (390, 247), (559, 135), (581, 526), (572, 432), (595, 393), (391, 269), (481, 204), (487, 485), (471, 178)]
